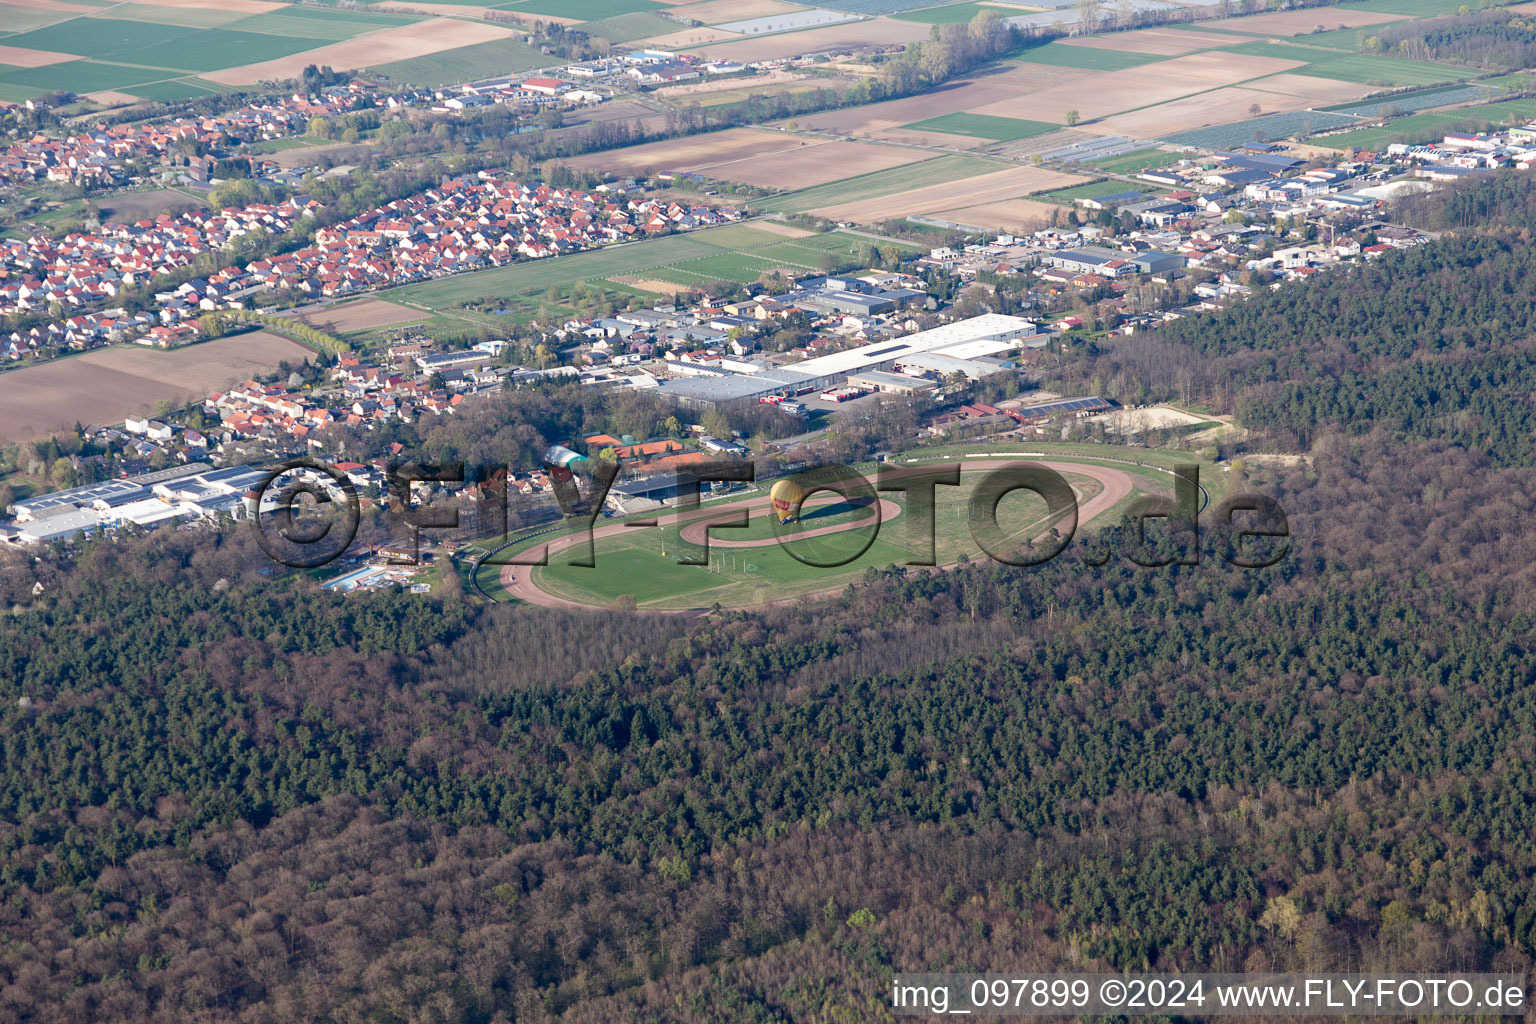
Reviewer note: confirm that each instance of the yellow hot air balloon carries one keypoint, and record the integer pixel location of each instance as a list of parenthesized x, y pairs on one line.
[(787, 496)]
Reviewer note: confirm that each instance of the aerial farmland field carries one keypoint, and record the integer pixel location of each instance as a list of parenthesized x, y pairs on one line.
[(1375, 70), (736, 252), (157, 51), (930, 172), (107, 384), (982, 126)]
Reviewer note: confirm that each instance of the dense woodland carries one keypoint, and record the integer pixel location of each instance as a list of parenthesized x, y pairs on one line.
[(1503, 40), (227, 796)]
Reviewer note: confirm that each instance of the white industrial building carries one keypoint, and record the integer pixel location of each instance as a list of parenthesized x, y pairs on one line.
[(985, 335)]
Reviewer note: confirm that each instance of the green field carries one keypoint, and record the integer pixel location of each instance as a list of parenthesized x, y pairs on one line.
[(1089, 58), (1412, 8), (643, 563), (319, 25), (624, 27), (1373, 70), (1133, 163), (1086, 191), (588, 10), (465, 63), (882, 183), (145, 55), (1425, 127), (736, 252), (984, 126), (176, 89), (217, 48), (1284, 51), (949, 14), (187, 17), (83, 76), (101, 37)]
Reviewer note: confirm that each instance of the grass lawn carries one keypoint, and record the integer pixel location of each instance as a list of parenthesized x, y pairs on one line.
[(1373, 70), (643, 563), (882, 183), (465, 63), (1133, 163), (1089, 58), (983, 126)]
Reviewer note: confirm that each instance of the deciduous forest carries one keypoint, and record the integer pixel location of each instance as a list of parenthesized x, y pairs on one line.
[(228, 796)]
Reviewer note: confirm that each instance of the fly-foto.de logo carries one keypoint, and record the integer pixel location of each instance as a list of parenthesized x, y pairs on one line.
[(1247, 530)]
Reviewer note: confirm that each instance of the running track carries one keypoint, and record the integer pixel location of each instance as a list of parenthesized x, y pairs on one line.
[(1115, 486)]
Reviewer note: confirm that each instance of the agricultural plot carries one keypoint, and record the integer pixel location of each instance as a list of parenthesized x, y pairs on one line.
[(1298, 123), (310, 23), (624, 27), (100, 37), (876, 7), (738, 252), (1412, 103), (1295, 23), (1114, 92), (381, 46), (793, 20), (187, 17), (588, 9), (175, 89), (144, 48), (1413, 8), (953, 14), (980, 126), (1285, 51), (83, 76), (849, 35), (464, 63), (109, 384), (1087, 190), (1087, 58), (1429, 125), (1375, 70), (930, 172), (1013, 183), (1004, 215), (219, 48), (1159, 42), (1133, 163)]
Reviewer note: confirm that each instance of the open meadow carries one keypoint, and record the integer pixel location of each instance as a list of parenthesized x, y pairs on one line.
[(739, 253)]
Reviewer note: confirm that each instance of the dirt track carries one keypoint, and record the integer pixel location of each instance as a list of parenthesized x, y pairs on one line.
[(1116, 485)]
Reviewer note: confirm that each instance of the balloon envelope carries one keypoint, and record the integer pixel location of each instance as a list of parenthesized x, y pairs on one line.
[(786, 496)]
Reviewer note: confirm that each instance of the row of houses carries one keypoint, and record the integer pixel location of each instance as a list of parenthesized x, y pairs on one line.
[(97, 157)]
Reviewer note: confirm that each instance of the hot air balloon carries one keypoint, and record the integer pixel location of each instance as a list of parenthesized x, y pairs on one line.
[(787, 496)]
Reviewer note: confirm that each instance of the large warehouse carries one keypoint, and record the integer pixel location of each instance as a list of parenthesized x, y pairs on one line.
[(985, 335)]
